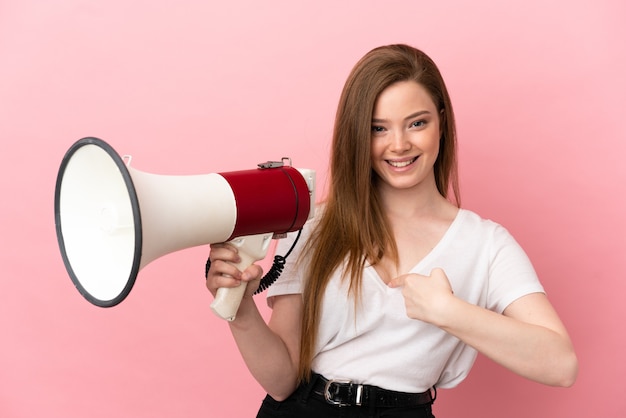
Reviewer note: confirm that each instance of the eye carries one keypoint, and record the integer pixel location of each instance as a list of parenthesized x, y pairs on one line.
[(418, 123), (377, 129)]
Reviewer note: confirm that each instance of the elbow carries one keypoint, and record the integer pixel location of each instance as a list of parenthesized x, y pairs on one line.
[(279, 397), (568, 371), (279, 394), (570, 378)]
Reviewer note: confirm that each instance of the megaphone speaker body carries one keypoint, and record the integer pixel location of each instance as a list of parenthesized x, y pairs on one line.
[(112, 220)]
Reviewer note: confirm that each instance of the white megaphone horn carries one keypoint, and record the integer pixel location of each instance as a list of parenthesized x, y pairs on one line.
[(112, 220)]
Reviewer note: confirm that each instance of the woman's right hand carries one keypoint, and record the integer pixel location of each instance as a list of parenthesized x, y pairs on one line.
[(224, 273)]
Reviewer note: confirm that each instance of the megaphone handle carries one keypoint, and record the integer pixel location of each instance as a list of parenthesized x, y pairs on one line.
[(251, 248)]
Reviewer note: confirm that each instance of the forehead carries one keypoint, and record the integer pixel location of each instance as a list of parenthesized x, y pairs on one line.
[(404, 96)]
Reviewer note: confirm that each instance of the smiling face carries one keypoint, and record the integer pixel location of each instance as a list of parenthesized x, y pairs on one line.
[(405, 137)]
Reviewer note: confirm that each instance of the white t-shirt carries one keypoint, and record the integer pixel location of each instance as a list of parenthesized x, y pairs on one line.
[(382, 346)]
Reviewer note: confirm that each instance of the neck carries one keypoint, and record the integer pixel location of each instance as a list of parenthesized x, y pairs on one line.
[(422, 200)]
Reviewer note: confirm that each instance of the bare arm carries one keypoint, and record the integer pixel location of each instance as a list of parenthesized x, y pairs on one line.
[(270, 350), (528, 339)]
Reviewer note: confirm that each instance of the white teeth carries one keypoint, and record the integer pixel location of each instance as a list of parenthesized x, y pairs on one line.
[(400, 164)]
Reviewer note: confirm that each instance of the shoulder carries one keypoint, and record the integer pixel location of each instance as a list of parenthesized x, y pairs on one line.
[(473, 221), (484, 233), (470, 217)]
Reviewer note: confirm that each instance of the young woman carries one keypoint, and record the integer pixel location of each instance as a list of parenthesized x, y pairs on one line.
[(396, 288)]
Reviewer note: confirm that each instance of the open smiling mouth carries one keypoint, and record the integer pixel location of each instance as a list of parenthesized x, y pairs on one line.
[(400, 164)]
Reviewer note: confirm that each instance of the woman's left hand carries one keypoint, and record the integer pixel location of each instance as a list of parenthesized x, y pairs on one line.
[(425, 297)]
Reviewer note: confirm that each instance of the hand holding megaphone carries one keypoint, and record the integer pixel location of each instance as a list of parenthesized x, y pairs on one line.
[(112, 220), (250, 249)]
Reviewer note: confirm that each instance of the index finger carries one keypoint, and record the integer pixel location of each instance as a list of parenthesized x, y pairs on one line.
[(397, 281)]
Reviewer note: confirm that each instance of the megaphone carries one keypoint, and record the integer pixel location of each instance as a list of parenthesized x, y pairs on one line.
[(112, 220)]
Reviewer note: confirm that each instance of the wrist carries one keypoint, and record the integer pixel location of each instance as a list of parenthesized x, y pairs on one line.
[(246, 314), (445, 312)]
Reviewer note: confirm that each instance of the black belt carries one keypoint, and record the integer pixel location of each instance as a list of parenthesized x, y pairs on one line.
[(346, 393)]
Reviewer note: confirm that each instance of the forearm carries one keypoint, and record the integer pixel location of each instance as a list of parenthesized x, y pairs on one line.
[(264, 352), (531, 350)]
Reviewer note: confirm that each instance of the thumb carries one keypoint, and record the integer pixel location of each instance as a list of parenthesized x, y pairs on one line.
[(440, 277), (253, 272), (437, 272)]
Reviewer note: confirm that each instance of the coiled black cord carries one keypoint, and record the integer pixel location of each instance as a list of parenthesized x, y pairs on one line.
[(273, 274)]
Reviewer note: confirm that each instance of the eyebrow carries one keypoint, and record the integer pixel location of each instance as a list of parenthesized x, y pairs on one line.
[(411, 116)]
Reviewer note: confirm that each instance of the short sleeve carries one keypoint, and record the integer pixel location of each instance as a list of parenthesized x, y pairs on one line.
[(511, 274), (290, 280)]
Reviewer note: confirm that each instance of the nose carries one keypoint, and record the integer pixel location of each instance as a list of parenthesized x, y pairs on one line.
[(399, 142)]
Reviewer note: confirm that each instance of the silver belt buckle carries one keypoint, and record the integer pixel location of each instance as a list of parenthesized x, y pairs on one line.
[(330, 399)]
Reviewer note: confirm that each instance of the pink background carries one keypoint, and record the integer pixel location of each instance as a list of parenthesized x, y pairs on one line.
[(192, 87)]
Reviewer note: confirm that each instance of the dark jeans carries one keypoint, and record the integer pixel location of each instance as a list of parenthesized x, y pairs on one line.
[(305, 404)]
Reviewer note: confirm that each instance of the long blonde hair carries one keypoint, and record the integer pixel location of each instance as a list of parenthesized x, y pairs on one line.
[(352, 228)]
